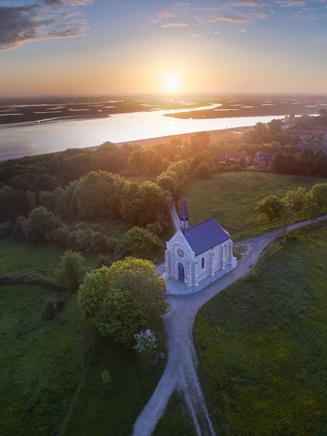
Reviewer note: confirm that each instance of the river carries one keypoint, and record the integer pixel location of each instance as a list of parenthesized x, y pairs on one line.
[(26, 139)]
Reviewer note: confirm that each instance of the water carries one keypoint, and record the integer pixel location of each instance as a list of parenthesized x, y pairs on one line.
[(43, 137)]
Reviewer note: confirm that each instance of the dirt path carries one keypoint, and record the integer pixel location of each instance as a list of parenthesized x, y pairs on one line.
[(180, 371)]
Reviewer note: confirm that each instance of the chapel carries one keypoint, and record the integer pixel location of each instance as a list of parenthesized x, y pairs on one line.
[(198, 254)]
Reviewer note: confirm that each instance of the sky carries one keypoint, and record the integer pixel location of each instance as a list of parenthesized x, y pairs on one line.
[(102, 47)]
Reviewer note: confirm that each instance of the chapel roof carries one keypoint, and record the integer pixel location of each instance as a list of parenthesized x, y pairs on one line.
[(206, 235)]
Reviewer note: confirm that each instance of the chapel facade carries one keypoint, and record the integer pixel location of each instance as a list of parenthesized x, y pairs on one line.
[(199, 253)]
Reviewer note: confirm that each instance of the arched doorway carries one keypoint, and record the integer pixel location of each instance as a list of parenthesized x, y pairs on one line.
[(181, 272)]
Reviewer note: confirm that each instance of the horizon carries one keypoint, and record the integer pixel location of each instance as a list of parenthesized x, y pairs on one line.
[(95, 48), (172, 98)]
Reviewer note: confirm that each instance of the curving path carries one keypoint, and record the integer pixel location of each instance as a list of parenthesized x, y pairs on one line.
[(180, 371)]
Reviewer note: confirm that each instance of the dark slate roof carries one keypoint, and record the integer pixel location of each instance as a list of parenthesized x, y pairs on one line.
[(183, 214), (206, 235)]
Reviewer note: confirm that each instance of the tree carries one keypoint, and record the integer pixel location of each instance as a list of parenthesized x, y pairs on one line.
[(312, 210), (150, 203), (271, 206), (296, 200), (15, 203), (71, 270), (275, 127), (167, 183), (123, 299), (180, 167), (39, 224), (203, 170), (318, 194), (141, 242)]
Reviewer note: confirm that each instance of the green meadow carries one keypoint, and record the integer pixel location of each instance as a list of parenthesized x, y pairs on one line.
[(176, 419), (231, 198), (50, 378), (262, 343)]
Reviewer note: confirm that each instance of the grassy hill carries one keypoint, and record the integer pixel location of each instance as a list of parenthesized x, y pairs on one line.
[(44, 362), (231, 197), (262, 343)]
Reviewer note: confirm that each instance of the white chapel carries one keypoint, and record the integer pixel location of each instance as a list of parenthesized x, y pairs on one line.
[(198, 255)]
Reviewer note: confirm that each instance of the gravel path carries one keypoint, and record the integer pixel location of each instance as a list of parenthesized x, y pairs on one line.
[(180, 371)]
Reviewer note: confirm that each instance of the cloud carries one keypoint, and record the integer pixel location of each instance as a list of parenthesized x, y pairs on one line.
[(164, 15), (41, 20), (240, 18), (291, 3), (174, 25), (247, 4)]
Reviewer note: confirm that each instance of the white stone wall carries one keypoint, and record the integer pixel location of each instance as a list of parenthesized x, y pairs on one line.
[(178, 251)]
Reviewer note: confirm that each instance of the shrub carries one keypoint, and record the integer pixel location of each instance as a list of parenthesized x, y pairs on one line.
[(141, 242), (39, 224), (105, 377), (49, 311), (19, 229), (203, 170), (145, 342), (271, 206), (70, 271), (5, 230)]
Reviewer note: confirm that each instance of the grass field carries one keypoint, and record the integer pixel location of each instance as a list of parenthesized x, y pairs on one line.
[(231, 197), (17, 256), (262, 343), (40, 364), (43, 362), (176, 421), (114, 228)]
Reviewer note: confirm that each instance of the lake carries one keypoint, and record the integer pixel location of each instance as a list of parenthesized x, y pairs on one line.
[(25, 139)]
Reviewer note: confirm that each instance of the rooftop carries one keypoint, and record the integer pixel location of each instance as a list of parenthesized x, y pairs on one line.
[(206, 235)]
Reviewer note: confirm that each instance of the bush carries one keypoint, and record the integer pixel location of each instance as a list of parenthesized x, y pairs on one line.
[(49, 311), (19, 229), (203, 170), (105, 377), (145, 342), (271, 206), (5, 230), (71, 270), (39, 224), (141, 243)]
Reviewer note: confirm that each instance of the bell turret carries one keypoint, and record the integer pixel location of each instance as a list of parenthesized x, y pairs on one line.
[(183, 215)]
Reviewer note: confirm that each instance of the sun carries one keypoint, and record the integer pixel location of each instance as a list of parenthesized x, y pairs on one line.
[(172, 83)]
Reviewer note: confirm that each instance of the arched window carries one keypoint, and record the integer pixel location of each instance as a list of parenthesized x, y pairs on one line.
[(202, 262)]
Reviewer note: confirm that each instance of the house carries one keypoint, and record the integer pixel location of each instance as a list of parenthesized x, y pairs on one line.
[(198, 255), (223, 156), (263, 160)]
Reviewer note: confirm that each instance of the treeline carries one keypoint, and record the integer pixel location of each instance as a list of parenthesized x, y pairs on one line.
[(271, 132), (51, 216), (306, 162), (47, 172), (299, 203), (98, 194)]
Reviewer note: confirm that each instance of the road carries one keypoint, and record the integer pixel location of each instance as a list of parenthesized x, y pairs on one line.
[(180, 371)]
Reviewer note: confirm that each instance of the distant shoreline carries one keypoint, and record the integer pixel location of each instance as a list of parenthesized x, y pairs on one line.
[(214, 135)]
